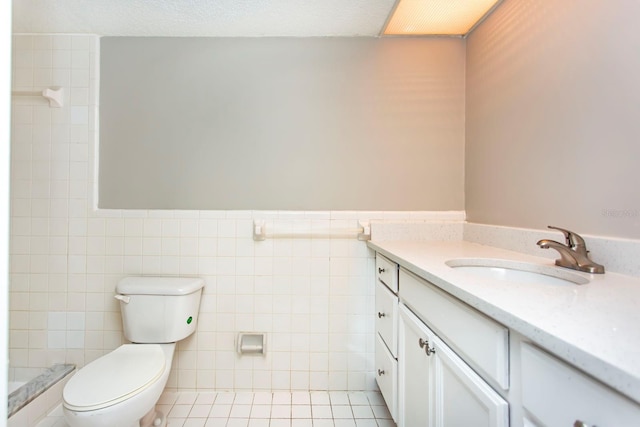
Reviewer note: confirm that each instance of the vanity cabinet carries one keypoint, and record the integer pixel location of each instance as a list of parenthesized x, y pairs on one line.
[(386, 318), (435, 386), (452, 365), (479, 340), (556, 394)]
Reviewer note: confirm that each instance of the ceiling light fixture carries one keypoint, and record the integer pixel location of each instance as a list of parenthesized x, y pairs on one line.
[(437, 17)]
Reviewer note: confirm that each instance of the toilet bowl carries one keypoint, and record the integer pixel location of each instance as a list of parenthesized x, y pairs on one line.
[(121, 388)]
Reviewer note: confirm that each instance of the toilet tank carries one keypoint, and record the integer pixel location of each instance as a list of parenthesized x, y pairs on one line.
[(159, 309)]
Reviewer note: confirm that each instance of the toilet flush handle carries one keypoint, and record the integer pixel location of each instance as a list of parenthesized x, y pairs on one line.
[(124, 298)]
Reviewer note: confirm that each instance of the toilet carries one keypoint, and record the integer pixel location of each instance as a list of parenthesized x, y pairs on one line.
[(122, 388)]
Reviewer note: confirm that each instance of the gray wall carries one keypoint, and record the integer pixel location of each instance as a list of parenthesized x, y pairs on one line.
[(304, 124), (553, 117)]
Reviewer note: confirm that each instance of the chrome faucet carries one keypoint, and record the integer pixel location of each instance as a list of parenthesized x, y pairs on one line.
[(573, 254)]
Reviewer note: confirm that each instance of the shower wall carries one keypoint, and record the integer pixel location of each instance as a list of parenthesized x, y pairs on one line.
[(50, 203)]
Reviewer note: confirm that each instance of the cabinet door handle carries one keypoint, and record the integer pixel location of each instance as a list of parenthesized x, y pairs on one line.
[(425, 344), (381, 315), (429, 350), (381, 270), (380, 372), (579, 423)]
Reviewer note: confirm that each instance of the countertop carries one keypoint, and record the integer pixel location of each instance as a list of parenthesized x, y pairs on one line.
[(595, 327)]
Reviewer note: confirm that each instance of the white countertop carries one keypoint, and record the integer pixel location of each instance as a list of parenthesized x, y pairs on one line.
[(595, 327)]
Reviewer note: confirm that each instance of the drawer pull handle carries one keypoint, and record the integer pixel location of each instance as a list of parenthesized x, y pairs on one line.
[(425, 344), (579, 423), (381, 270), (380, 372), (381, 315)]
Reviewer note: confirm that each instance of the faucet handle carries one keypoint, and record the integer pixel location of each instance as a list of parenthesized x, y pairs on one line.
[(573, 240)]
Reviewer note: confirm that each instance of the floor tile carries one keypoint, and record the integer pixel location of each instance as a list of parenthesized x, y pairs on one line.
[(220, 411), (358, 398), (339, 398), (186, 398), (320, 398), (179, 411), (175, 422), (281, 411), (375, 398), (262, 398), (225, 398), (168, 398), (200, 411), (240, 411), (342, 411), (362, 412), (243, 398), (300, 398), (281, 398), (301, 411), (381, 412), (206, 398), (265, 409), (321, 411), (260, 411)]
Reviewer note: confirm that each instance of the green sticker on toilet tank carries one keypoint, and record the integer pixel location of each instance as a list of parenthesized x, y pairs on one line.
[(189, 320)]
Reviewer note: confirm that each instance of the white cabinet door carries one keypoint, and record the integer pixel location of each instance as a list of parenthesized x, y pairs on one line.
[(415, 372), (555, 394), (462, 397), (436, 387)]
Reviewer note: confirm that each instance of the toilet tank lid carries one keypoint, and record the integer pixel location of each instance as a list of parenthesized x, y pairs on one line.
[(153, 285)]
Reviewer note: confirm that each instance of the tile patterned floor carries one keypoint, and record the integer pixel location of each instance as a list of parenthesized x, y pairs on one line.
[(264, 409)]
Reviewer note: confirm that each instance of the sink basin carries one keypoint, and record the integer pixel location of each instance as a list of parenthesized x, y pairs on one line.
[(515, 271)]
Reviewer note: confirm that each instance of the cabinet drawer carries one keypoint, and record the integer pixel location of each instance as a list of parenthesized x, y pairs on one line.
[(386, 371), (387, 272), (555, 394), (387, 317), (482, 342)]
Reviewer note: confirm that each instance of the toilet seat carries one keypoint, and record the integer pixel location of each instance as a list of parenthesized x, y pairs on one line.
[(114, 377)]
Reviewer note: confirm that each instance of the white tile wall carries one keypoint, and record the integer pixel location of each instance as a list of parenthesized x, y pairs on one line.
[(312, 297), (49, 181), (66, 330)]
